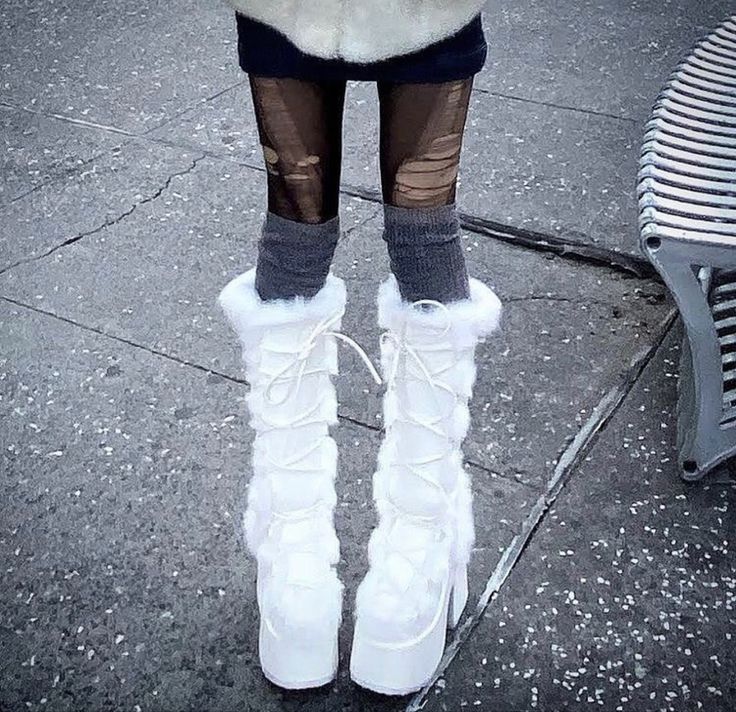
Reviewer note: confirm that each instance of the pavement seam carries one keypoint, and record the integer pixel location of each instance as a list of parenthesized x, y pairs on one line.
[(123, 340), (518, 237), (232, 379), (561, 246), (551, 105), (70, 120), (107, 223), (529, 239), (567, 463), (558, 298), (114, 129), (515, 476)]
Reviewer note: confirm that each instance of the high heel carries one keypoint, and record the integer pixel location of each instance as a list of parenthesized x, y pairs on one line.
[(403, 668), (459, 596)]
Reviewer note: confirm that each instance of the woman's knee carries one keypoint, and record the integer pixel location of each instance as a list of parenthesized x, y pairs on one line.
[(429, 178), (299, 188)]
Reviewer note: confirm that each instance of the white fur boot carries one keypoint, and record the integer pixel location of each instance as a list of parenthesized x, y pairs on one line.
[(290, 353), (418, 553)]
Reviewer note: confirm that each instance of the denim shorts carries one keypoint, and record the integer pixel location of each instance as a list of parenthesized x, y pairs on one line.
[(264, 51)]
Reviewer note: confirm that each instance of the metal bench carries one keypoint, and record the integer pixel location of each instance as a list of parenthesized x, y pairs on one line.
[(687, 200)]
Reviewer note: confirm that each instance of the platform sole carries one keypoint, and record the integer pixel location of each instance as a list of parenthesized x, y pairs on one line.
[(297, 665), (404, 669)]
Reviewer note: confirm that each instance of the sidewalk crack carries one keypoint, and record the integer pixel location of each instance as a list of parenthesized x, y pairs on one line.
[(66, 173), (361, 223), (183, 112), (557, 298), (107, 223), (649, 297), (519, 477)]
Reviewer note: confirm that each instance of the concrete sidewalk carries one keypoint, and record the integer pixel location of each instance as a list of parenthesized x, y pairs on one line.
[(132, 189)]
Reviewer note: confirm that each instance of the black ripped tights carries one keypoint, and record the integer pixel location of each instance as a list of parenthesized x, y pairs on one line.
[(300, 130)]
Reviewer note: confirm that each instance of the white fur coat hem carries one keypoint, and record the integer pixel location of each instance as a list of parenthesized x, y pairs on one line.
[(361, 30)]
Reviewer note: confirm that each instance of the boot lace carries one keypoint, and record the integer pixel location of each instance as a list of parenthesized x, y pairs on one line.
[(436, 527), (304, 527), (293, 374)]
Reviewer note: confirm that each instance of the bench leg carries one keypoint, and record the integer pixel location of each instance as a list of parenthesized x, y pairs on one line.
[(703, 441)]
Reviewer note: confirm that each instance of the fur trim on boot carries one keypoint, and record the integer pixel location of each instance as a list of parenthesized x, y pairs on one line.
[(246, 310), (469, 320)]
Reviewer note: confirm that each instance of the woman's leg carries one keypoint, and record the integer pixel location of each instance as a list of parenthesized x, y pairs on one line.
[(289, 352), (300, 130), (418, 553), (422, 129)]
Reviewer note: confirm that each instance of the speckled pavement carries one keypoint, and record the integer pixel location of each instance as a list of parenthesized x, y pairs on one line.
[(625, 598), (132, 189)]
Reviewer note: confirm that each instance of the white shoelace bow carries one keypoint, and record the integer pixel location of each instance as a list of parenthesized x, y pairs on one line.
[(322, 329)]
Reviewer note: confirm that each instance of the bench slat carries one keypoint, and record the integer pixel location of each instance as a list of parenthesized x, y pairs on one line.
[(699, 92), (692, 227), (652, 185), (715, 133), (720, 111), (711, 67), (718, 189), (720, 120), (688, 168), (690, 141), (708, 217)]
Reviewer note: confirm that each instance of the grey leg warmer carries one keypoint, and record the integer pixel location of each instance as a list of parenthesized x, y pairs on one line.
[(425, 252), (294, 258)]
